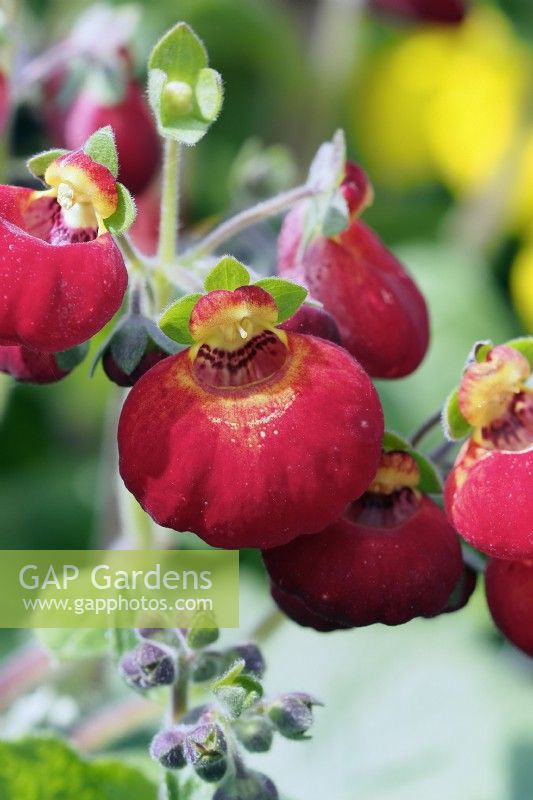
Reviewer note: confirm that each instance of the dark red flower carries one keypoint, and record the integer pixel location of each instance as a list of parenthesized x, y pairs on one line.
[(509, 589), (488, 492), (62, 275), (253, 435), (137, 140), (30, 366), (391, 557), (447, 11), (295, 608), (382, 316)]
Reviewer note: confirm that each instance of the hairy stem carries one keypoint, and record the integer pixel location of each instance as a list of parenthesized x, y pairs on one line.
[(425, 428), (168, 222), (179, 697), (270, 622), (234, 225)]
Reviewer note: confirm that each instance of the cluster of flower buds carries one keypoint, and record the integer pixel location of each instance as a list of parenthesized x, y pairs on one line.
[(212, 738), (488, 490)]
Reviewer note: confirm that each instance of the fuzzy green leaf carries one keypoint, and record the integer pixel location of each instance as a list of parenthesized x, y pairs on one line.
[(228, 274), (68, 359), (38, 164), (101, 147), (455, 426), (430, 479), (174, 322), (124, 215), (524, 345), (288, 296), (45, 768)]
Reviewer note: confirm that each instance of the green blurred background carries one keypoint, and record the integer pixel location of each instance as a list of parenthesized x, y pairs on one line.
[(442, 119)]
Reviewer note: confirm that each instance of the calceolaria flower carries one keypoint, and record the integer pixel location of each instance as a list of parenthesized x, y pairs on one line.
[(381, 314), (488, 492), (392, 556), (62, 275), (253, 435)]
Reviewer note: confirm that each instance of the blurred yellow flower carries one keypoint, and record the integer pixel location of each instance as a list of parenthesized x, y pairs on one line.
[(521, 284), (444, 103)]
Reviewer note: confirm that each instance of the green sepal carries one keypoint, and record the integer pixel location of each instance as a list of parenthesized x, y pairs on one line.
[(181, 57), (236, 691), (174, 322), (38, 164), (454, 424), (337, 215), (209, 93), (228, 274), (124, 215), (479, 352), (430, 479), (524, 345), (68, 359), (326, 213), (180, 53), (288, 296), (203, 631), (128, 343), (101, 147)]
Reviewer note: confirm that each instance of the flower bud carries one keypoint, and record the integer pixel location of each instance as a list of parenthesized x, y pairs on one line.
[(148, 666), (251, 786), (292, 715), (178, 97), (205, 750), (254, 733), (206, 666), (252, 657), (167, 747)]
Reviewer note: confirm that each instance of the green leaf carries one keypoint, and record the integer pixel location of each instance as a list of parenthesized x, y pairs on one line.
[(68, 359), (209, 94), (101, 147), (47, 769), (337, 215), (455, 426), (38, 164), (74, 644), (124, 215), (174, 322), (524, 345), (228, 274), (430, 479), (288, 296)]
